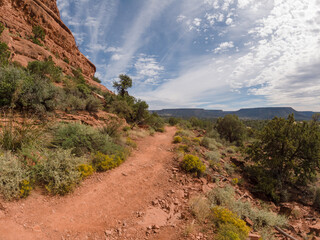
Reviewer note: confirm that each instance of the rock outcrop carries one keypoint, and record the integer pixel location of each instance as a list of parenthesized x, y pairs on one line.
[(20, 16)]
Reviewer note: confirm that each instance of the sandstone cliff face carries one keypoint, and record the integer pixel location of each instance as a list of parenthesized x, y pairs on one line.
[(19, 17)]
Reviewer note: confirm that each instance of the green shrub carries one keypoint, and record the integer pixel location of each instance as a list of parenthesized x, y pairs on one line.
[(183, 148), (131, 143), (193, 164), (93, 104), (155, 122), (14, 136), (209, 143), (200, 207), (162, 130), (83, 88), (4, 53), (173, 121), (177, 139), (231, 149), (152, 131), (126, 128), (38, 95), (262, 219), (121, 108), (36, 41), (10, 79), (214, 156), (12, 176), (184, 133), (223, 196), (66, 60), (265, 183), (230, 168), (85, 170), (78, 77), (1, 28), (112, 129), (38, 32), (213, 133), (83, 139), (45, 69), (228, 222), (102, 162), (28, 90), (58, 171), (96, 79), (72, 102), (196, 140)]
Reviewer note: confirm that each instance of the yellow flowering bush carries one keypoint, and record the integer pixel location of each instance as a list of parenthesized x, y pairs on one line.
[(224, 218), (196, 140), (235, 181), (131, 143), (102, 162), (192, 163), (177, 139), (25, 188), (85, 170), (183, 148)]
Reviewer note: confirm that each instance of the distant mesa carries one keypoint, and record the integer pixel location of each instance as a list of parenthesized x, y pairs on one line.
[(264, 113)]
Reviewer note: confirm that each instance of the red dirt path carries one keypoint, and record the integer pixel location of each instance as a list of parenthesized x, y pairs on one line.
[(102, 202)]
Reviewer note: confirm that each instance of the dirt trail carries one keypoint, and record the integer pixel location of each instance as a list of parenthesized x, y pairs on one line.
[(118, 200)]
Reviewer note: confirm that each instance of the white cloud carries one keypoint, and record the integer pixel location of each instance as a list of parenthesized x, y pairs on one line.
[(244, 3), (133, 38), (116, 57), (197, 22), (113, 49), (180, 18), (200, 79), (148, 69), (224, 47), (269, 49), (213, 3), (229, 21), (286, 45)]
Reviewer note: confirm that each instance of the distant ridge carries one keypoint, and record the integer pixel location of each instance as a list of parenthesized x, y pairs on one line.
[(263, 113)]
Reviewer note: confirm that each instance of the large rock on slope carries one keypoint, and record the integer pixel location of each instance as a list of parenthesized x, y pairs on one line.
[(19, 17)]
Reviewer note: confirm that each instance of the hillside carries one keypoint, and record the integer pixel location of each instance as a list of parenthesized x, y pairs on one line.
[(21, 17), (245, 113)]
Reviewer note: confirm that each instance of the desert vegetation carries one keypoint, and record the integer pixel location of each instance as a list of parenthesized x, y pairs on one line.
[(256, 167), (36, 152), (276, 160)]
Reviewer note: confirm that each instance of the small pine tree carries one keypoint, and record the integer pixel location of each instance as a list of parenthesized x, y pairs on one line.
[(231, 128), (122, 86)]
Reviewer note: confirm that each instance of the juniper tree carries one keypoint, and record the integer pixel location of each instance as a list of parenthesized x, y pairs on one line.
[(287, 152)]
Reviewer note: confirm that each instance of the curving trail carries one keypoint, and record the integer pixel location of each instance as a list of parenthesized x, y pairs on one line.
[(102, 202)]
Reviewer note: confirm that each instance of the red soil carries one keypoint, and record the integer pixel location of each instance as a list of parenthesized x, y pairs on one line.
[(114, 202)]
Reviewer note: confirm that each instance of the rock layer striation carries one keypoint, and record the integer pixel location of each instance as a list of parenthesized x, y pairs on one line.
[(20, 16)]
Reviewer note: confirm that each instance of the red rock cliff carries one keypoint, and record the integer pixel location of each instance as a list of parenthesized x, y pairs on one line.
[(19, 17)]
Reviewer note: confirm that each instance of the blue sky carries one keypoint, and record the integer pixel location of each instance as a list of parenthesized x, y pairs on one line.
[(212, 54)]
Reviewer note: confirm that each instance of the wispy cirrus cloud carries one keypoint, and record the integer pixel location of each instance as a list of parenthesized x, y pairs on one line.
[(208, 53), (89, 21), (133, 39), (148, 70)]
